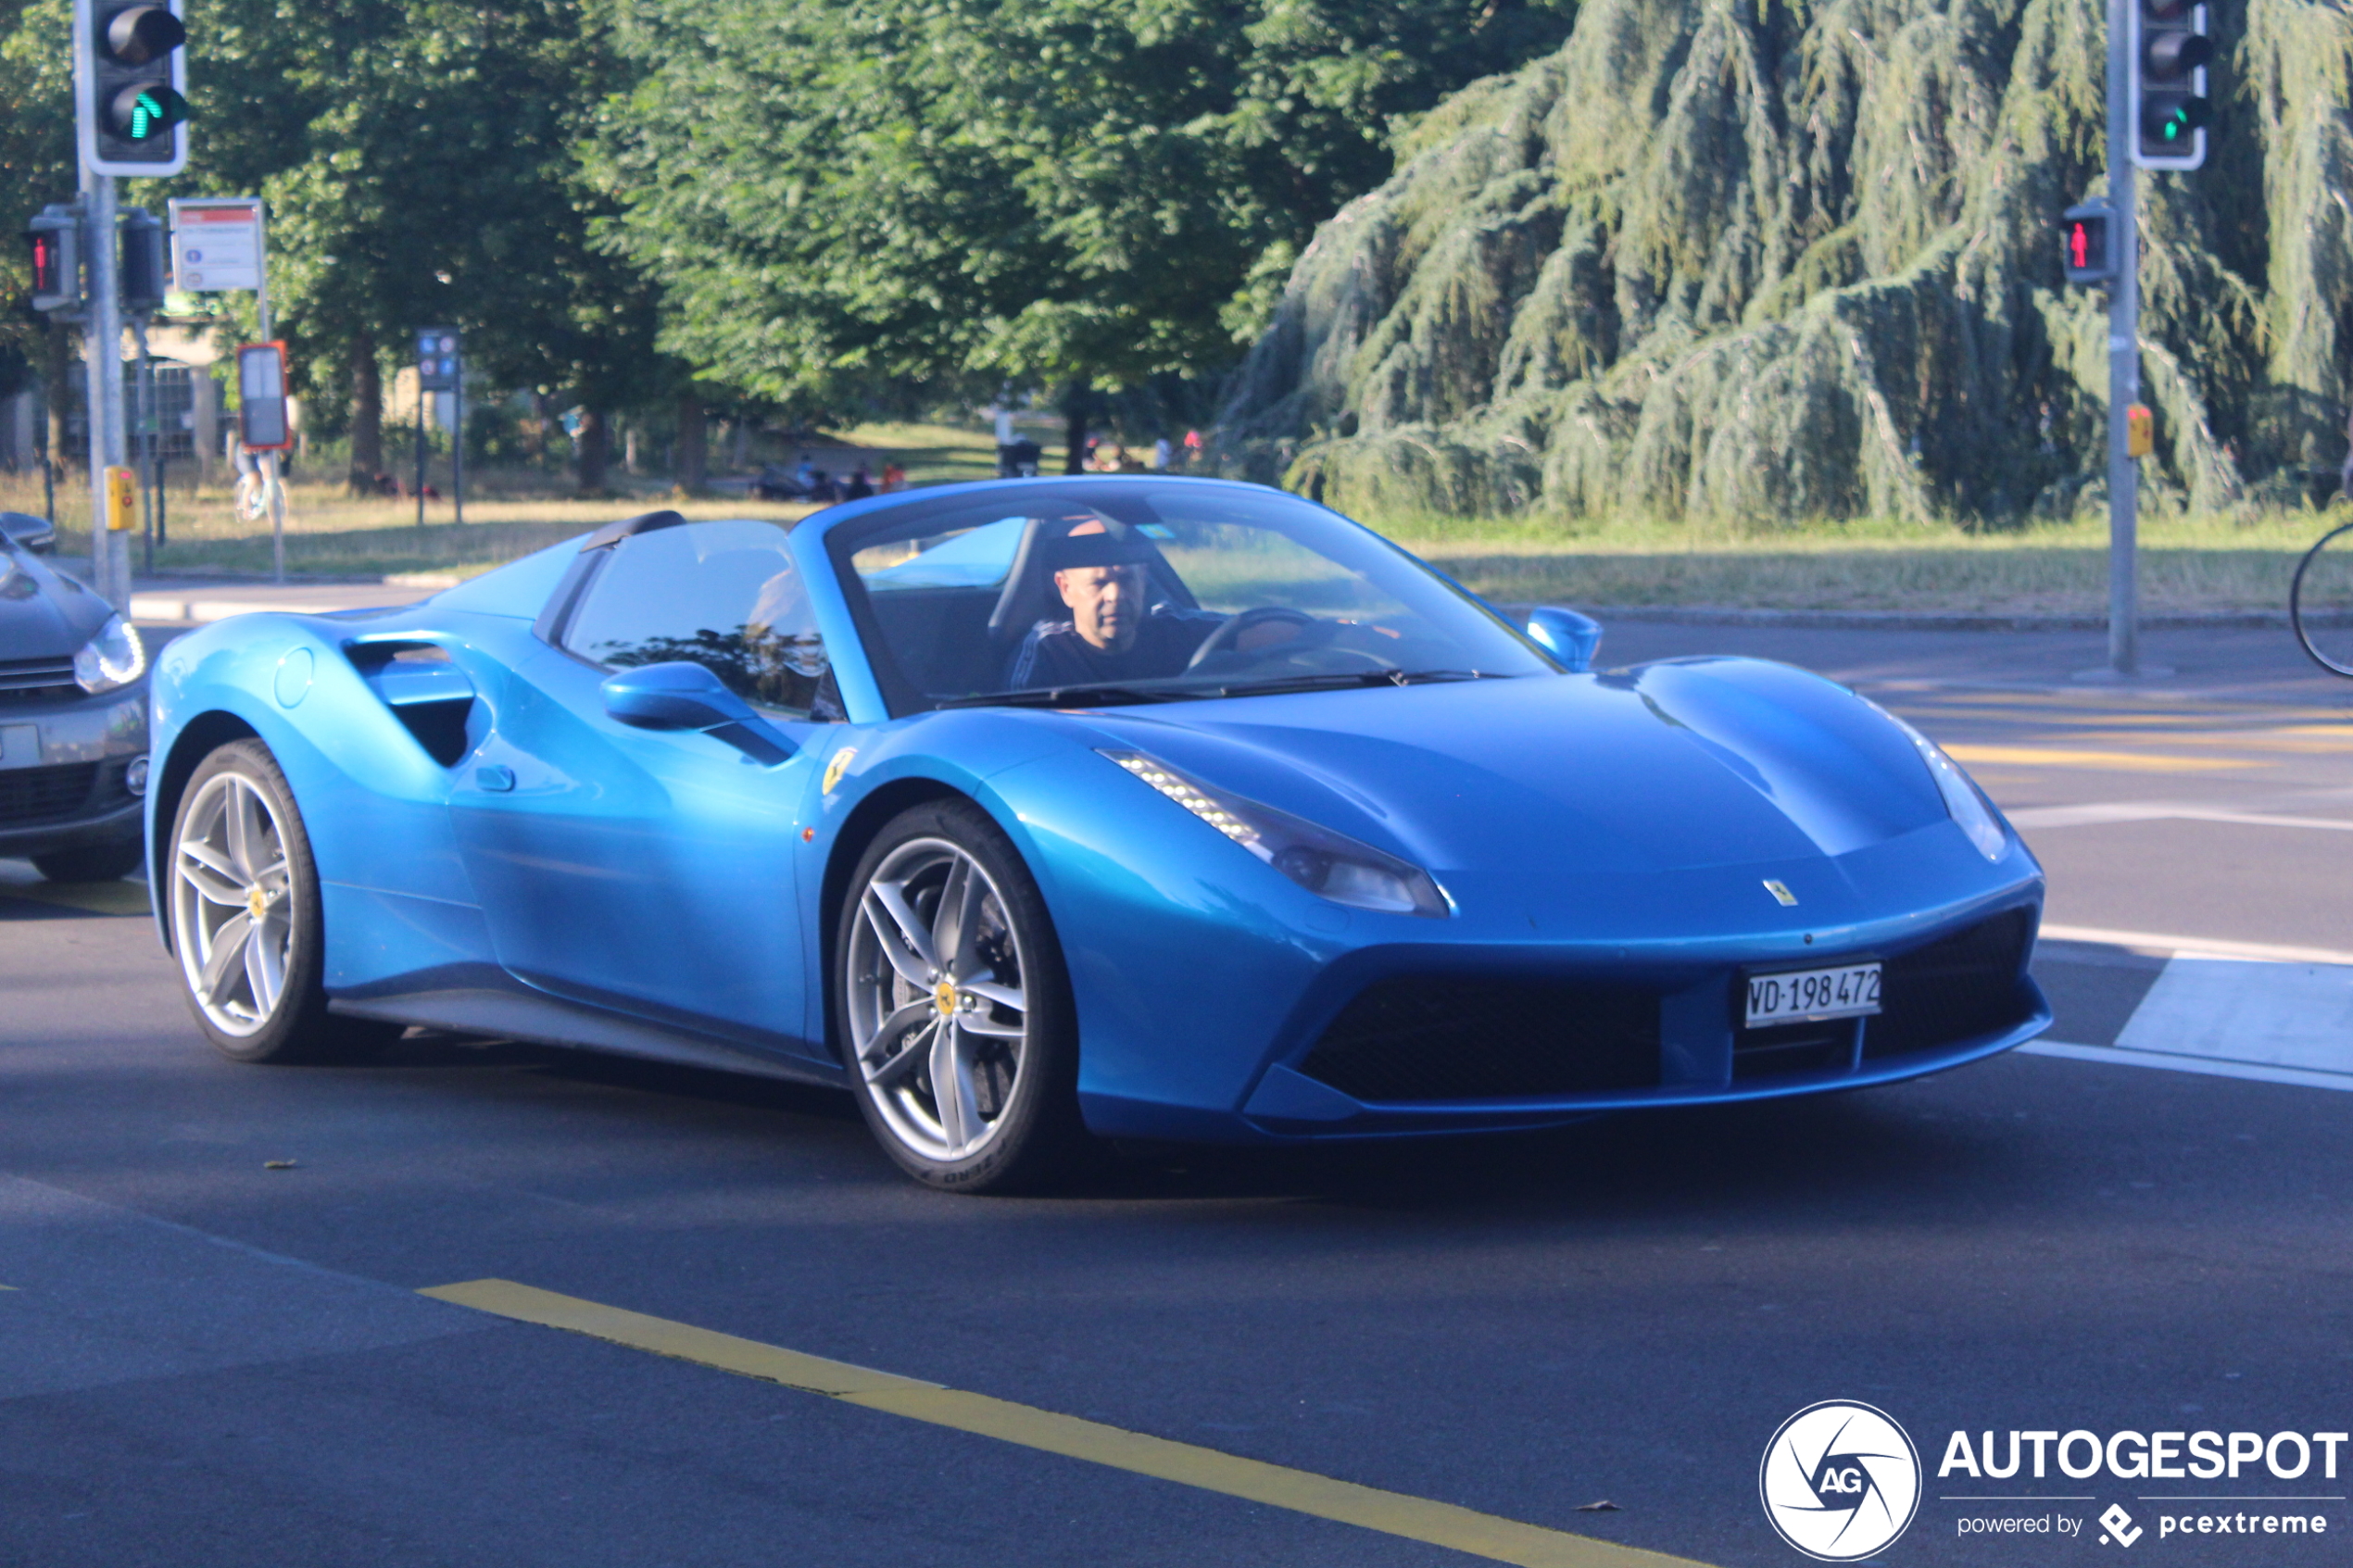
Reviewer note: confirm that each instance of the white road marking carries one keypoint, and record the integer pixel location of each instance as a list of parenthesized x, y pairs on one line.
[(2269, 1014), (2206, 1065), (2212, 947), (2152, 811)]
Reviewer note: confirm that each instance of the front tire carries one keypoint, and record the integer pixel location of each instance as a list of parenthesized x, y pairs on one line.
[(243, 894), (953, 1009)]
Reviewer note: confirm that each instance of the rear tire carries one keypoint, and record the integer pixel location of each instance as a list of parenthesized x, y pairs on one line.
[(92, 862), (952, 1008), (241, 892)]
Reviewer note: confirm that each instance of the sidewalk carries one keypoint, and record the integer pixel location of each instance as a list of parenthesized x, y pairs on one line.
[(192, 601), (185, 603)]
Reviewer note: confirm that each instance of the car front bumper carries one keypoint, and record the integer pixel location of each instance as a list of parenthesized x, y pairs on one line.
[(66, 771)]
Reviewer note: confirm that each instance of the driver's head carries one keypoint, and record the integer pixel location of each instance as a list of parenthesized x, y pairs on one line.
[(1101, 571), (1106, 603)]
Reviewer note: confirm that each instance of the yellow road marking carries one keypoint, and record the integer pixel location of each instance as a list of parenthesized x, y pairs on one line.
[(91, 898), (2130, 762), (1417, 1519)]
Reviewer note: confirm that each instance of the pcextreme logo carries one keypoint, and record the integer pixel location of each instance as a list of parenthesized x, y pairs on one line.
[(1840, 1480)]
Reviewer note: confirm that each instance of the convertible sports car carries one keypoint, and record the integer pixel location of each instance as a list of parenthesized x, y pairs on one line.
[(1032, 809)]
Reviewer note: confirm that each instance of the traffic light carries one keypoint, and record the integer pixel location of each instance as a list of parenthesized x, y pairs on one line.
[(55, 237), (2172, 103), (141, 276), (2083, 243), (130, 73)]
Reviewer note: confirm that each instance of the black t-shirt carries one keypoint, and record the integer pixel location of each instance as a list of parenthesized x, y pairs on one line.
[(1055, 654)]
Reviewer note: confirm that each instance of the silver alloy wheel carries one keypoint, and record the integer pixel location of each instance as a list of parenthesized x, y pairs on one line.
[(937, 1013), (232, 904)]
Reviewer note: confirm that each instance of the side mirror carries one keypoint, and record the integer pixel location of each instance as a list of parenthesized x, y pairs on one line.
[(37, 534), (686, 695), (1566, 636)]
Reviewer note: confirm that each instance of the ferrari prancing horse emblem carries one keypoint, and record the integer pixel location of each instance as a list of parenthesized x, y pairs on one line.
[(837, 766), (1780, 890)]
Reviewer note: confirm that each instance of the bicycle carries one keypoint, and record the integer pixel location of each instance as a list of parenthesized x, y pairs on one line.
[(258, 493), (2320, 601)]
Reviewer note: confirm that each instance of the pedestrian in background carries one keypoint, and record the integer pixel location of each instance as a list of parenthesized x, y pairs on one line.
[(1161, 453), (895, 478)]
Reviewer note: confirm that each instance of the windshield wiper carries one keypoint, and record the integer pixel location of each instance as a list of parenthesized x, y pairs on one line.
[(1068, 696), (1337, 680)]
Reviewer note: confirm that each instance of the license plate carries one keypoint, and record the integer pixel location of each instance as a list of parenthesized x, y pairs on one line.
[(1810, 994)]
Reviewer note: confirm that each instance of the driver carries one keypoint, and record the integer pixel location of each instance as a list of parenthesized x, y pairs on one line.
[(1113, 635)]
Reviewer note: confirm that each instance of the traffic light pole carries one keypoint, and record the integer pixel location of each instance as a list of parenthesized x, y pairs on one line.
[(102, 348), (2124, 354)]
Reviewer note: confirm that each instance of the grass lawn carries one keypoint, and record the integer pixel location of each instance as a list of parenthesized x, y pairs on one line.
[(2187, 564)]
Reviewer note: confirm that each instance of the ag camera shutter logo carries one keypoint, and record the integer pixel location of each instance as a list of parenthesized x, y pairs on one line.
[(1840, 1480)]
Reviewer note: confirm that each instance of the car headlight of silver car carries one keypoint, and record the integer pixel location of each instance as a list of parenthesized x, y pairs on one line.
[(114, 658), (1967, 807), (1329, 864)]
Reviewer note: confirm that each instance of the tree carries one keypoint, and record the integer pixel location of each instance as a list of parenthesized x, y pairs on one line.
[(834, 193)]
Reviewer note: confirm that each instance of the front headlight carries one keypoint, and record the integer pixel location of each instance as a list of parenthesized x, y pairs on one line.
[(114, 658), (1323, 862), (1960, 795)]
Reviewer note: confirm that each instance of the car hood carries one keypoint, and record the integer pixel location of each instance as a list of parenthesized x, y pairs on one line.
[(43, 614), (1675, 766)]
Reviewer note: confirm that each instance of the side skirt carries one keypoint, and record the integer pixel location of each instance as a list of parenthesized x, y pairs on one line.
[(514, 1015)]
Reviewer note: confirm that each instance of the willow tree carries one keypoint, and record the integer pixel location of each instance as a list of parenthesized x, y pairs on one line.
[(1771, 262)]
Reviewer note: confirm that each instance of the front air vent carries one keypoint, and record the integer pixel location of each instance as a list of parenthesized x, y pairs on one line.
[(29, 795), (425, 690), (1958, 989), (38, 680), (1455, 1038)]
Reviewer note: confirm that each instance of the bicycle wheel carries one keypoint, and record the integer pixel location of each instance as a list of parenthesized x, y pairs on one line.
[(2320, 601)]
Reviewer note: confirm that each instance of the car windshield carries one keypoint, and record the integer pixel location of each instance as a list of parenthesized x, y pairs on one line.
[(1150, 590)]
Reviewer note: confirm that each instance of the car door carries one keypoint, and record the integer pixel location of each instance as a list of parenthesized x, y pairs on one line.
[(654, 872)]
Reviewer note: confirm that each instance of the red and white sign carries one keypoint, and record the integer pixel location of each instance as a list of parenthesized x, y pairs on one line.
[(216, 243)]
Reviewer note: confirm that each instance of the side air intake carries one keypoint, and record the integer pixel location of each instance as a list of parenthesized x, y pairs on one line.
[(425, 690)]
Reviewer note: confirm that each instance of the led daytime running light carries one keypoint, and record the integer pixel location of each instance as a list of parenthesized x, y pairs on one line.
[(1325, 863)]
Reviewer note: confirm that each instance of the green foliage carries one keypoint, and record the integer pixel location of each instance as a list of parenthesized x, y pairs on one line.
[(1747, 262), (420, 159), (834, 193)]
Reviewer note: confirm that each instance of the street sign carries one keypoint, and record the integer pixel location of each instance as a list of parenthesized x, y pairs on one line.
[(262, 424), (438, 368), (216, 244)]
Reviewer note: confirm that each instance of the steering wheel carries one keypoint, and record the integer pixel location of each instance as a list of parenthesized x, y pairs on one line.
[(1227, 639)]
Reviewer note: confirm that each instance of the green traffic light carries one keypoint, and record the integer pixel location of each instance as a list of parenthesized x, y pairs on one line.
[(145, 111)]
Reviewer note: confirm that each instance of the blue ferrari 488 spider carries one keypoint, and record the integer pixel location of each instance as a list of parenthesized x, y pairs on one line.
[(1029, 810)]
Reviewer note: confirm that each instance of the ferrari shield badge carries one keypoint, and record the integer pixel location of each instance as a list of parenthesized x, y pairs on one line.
[(840, 764), (1780, 890)]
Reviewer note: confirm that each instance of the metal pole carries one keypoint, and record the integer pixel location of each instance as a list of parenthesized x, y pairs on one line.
[(48, 459), (458, 446), (271, 487), (102, 347), (144, 422), (2123, 356), (420, 447)]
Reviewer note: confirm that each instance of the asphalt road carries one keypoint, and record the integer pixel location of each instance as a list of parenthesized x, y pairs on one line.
[(211, 1360)]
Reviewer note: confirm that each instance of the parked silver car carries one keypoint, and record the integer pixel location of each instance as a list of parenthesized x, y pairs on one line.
[(73, 716)]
